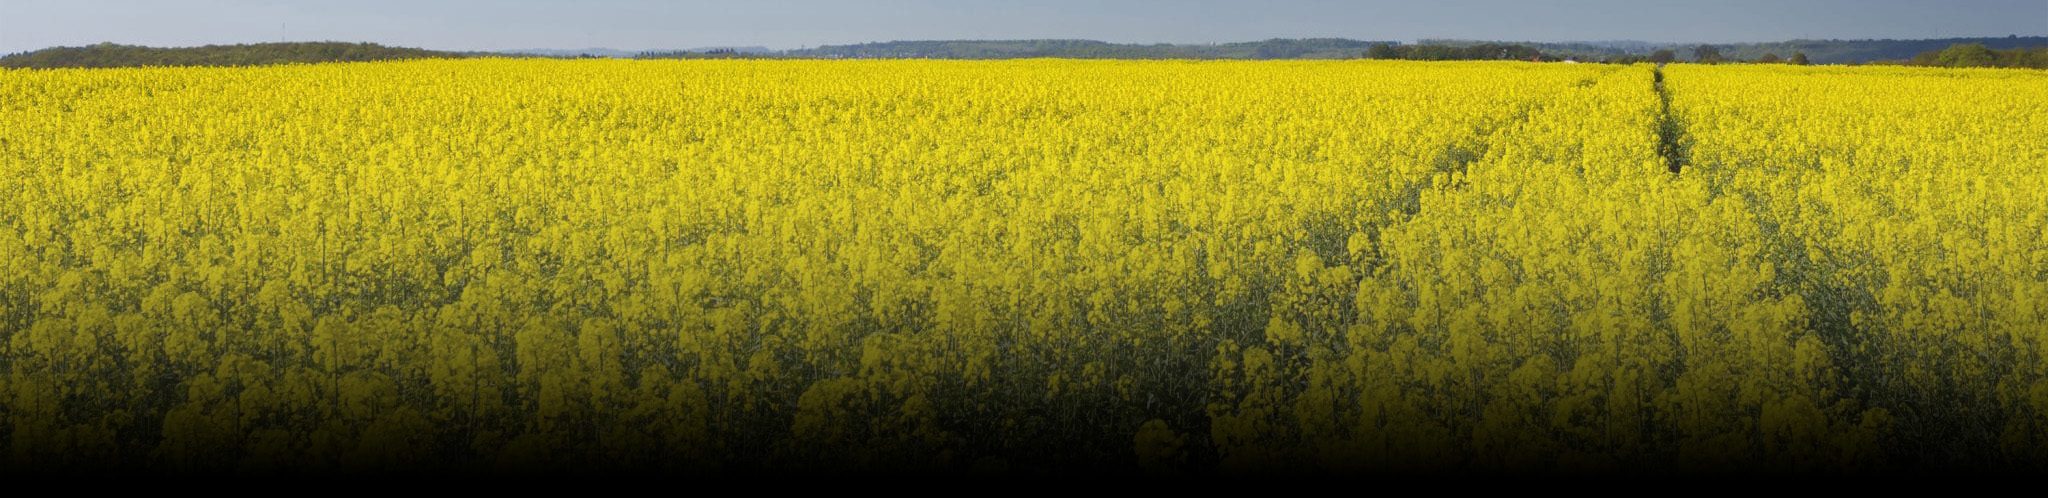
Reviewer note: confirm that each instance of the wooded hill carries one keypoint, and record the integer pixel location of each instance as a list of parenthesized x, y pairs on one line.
[(112, 55)]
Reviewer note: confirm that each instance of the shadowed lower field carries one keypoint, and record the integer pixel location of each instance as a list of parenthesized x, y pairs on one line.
[(1023, 266)]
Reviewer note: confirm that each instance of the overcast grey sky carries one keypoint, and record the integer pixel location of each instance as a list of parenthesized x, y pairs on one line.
[(651, 24)]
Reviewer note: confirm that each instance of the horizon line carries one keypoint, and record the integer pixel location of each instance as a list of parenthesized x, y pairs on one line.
[(913, 40)]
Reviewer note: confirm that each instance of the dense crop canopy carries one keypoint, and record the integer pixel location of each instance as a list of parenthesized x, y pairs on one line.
[(1020, 264)]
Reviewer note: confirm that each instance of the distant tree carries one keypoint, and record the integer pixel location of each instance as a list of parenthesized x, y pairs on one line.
[(1967, 55), (1706, 54), (1798, 59), (1663, 56), (2036, 58), (1925, 58), (1382, 51), (1769, 58)]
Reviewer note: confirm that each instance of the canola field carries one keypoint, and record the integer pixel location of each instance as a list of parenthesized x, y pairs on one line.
[(1041, 265)]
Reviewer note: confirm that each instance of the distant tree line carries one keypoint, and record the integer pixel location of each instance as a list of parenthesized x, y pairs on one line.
[(1620, 52), (1310, 48), (1955, 55), (716, 53), (2025, 52), (1867, 51), (112, 55), (1979, 55), (1816, 51), (1479, 51), (1703, 54)]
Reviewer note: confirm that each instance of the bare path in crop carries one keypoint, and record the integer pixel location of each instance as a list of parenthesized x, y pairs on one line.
[(1670, 134)]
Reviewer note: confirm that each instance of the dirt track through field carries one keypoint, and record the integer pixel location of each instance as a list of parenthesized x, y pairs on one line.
[(1670, 133)]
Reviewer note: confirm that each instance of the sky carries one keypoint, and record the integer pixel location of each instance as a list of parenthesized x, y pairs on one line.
[(783, 24)]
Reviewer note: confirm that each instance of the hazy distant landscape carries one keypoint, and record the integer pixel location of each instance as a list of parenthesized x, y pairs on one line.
[(1815, 51)]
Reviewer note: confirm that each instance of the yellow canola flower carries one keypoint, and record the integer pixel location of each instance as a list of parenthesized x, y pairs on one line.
[(1138, 265)]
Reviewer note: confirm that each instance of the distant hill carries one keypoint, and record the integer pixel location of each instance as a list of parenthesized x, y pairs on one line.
[(743, 50), (711, 53), (570, 53), (1310, 48), (112, 55)]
